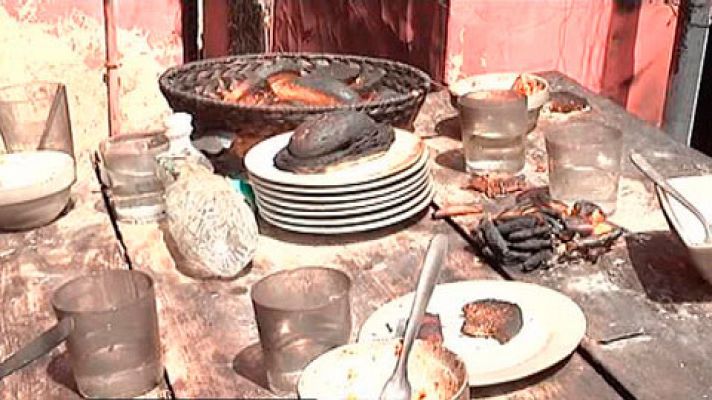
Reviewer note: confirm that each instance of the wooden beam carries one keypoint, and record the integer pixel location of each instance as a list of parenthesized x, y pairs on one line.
[(112, 77)]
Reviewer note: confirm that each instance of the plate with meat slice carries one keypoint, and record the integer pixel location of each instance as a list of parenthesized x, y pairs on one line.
[(503, 330)]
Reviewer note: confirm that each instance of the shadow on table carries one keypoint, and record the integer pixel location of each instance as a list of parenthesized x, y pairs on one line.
[(522, 384), (59, 370), (341, 239), (452, 159), (71, 205), (449, 127), (665, 270), (250, 364)]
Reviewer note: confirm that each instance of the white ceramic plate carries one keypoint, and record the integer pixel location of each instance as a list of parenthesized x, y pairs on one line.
[(354, 189), (405, 151), (363, 227), (340, 202), (372, 205), (553, 327), (340, 220)]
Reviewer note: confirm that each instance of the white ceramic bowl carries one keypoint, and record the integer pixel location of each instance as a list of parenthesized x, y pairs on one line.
[(34, 187), (698, 191), (501, 81), (360, 370)]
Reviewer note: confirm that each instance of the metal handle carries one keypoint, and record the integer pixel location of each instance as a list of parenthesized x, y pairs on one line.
[(437, 249), (42, 345), (659, 180)]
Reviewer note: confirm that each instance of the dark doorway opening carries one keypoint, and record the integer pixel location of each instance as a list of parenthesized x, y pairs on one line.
[(702, 127)]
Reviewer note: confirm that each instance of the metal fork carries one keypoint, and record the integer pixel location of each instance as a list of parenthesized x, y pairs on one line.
[(398, 387)]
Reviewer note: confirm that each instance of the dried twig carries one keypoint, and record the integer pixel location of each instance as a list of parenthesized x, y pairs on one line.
[(457, 210)]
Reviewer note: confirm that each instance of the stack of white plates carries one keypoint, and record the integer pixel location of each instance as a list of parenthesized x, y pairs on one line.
[(363, 196)]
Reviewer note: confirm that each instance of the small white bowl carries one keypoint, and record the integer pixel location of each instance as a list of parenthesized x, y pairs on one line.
[(360, 370), (34, 187), (698, 191), (501, 81)]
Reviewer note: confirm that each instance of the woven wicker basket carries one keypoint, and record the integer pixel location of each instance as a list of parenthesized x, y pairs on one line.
[(193, 88)]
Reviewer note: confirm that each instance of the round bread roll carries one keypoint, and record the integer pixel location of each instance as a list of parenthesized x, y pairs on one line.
[(328, 132), (330, 140)]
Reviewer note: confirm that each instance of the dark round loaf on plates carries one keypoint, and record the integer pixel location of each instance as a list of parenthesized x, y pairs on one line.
[(332, 140), (328, 132), (194, 88)]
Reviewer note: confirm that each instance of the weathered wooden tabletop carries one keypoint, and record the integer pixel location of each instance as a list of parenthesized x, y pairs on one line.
[(35, 263), (645, 289)]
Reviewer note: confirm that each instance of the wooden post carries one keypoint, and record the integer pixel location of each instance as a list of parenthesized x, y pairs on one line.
[(216, 28), (686, 69), (111, 78)]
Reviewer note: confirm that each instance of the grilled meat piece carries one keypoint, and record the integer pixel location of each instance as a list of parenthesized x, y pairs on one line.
[(254, 80), (496, 185), (431, 329), (491, 318), (288, 90), (566, 102), (338, 90)]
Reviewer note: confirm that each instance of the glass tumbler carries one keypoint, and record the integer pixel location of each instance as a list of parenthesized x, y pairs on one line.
[(301, 314), (35, 116), (493, 125), (132, 173), (114, 345), (585, 163)]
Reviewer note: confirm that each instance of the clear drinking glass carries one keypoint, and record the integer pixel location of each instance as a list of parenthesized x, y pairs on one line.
[(493, 125), (301, 314), (35, 116), (133, 177), (585, 163), (114, 345)]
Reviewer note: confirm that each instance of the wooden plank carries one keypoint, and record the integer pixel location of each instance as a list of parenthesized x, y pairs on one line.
[(194, 317), (646, 284), (32, 265), (208, 327)]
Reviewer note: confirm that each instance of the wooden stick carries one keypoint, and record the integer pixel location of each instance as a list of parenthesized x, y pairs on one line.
[(454, 211), (111, 77)]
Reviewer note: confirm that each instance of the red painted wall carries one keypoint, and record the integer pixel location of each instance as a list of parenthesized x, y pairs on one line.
[(410, 31), (622, 53), (63, 40)]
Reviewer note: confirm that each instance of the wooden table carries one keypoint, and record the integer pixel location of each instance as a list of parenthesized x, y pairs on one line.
[(645, 288), (33, 264)]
